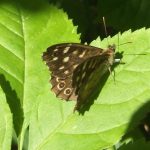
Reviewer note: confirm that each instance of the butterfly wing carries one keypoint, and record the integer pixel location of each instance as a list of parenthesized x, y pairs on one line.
[(62, 60), (87, 75), (74, 69), (63, 88)]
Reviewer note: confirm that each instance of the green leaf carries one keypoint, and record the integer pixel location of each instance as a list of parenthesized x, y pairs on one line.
[(6, 126), (26, 31), (110, 117)]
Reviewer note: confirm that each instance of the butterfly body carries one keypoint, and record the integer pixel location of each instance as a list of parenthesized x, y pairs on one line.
[(72, 65)]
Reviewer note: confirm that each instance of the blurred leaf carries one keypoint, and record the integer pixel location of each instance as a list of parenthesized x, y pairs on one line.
[(6, 126), (138, 145), (122, 15)]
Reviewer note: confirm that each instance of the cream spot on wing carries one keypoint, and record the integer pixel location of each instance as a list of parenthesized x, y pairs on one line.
[(94, 64), (61, 85), (66, 72), (75, 52), (55, 58), (66, 49), (62, 67), (84, 65), (75, 66), (55, 50), (57, 79), (81, 55), (67, 91), (66, 59), (83, 75)]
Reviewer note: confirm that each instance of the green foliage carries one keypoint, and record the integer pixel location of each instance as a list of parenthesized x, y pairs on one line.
[(6, 125), (27, 29), (138, 145)]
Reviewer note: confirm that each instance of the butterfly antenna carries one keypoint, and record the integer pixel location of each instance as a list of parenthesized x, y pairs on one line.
[(118, 42), (105, 29)]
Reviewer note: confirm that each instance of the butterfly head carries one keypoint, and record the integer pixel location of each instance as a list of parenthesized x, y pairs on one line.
[(112, 47)]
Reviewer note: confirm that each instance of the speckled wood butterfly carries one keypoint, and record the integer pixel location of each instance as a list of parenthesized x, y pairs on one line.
[(72, 65)]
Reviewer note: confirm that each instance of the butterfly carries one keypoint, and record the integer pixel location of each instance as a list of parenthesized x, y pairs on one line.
[(73, 65)]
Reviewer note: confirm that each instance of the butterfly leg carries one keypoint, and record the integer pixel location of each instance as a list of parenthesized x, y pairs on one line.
[(113, 75)]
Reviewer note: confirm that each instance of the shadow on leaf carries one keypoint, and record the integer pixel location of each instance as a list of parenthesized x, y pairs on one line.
[(138, 128), (91, 90), (14, 104)]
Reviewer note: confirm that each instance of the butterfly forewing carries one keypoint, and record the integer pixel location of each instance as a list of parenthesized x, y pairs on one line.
[(62, 59)]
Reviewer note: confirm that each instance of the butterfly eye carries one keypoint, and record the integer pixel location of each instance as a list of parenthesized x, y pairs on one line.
[(67, 91), (61, 85), (112, 47)]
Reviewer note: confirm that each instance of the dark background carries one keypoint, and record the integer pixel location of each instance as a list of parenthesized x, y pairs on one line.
[(120, 15)]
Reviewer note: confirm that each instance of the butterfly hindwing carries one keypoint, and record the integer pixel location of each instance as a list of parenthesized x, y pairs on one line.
[(97, 67), (83, 77), (63, 88)]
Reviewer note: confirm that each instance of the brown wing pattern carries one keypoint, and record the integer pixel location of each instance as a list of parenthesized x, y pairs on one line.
[(86, 80), (63, 88), (62, 59), (71, 65)]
